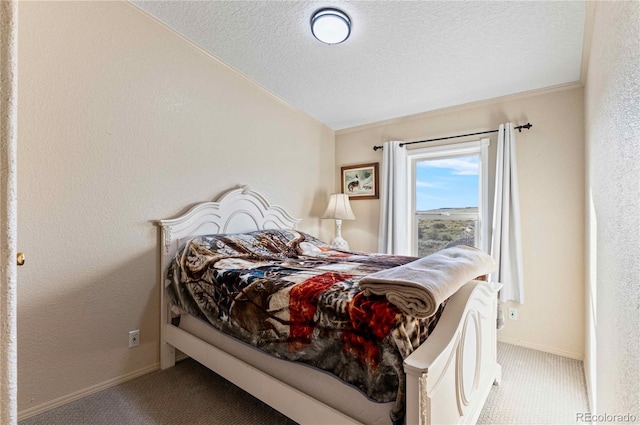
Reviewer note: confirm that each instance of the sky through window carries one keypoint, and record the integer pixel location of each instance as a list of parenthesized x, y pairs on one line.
[(447, 183)]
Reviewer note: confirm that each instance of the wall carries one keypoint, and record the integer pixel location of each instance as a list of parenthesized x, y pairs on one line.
[(122, 122), (551, 171), (8, 212), (612, 105)]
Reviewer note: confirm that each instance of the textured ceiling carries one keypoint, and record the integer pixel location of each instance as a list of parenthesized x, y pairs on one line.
[(403, 57)]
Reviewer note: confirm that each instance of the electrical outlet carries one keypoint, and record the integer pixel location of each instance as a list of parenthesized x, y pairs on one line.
[(513, 313), (134, 338)]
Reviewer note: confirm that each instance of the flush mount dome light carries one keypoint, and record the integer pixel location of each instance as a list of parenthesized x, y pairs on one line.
[(331, 26)]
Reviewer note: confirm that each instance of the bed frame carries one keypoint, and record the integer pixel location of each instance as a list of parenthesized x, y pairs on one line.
[(448, 377)]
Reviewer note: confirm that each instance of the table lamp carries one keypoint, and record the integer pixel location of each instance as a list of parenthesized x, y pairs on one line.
[(339, 209)]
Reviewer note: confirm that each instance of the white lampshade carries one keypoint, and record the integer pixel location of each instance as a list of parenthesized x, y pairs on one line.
[(339, 208)]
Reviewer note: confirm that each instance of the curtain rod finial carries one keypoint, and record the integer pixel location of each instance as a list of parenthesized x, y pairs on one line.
[(526, 126)]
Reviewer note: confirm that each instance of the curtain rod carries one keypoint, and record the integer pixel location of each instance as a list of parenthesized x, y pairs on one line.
[(526, 126)]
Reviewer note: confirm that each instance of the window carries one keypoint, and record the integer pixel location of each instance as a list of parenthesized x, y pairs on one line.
[(448, 197)]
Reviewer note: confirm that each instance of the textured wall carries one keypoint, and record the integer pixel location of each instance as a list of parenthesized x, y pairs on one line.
[(8, 212), (613, 186), (551, 181), (123, 122)]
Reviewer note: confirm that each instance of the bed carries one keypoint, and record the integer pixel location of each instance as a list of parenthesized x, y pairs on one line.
[(446, 379)]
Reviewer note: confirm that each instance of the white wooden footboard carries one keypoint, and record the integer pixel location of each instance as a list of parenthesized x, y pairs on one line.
[(449, 376)]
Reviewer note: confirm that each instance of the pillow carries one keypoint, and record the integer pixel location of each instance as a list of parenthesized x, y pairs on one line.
[(268, 243)]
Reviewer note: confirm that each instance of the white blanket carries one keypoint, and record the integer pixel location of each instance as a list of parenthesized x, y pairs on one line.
[(419, 287)]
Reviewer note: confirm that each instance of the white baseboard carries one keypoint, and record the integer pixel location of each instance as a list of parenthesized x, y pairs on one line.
[(60, 401), (541, 348)]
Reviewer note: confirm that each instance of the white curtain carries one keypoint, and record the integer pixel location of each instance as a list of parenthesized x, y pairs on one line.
[(506, 245), (394, 232), (8, 211)]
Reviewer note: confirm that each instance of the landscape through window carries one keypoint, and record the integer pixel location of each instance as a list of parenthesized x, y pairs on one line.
[(446, 194)]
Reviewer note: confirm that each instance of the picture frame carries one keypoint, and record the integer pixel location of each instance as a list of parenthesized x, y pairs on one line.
[(360, 181)]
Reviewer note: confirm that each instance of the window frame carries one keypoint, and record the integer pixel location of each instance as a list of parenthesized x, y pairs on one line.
[(452, 150)]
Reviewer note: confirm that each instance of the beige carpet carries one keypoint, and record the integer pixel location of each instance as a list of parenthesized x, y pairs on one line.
[(187, 394), (537, 388)]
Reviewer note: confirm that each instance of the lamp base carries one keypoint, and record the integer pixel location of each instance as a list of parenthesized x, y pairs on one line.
[(339, 243)]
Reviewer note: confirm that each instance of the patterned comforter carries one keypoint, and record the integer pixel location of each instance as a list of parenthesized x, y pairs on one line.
[(294, 297)]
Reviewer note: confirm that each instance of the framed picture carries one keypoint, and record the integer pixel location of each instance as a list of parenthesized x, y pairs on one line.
[(360, 181)]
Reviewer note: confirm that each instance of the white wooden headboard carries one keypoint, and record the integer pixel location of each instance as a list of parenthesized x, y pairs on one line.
[(236, 211)]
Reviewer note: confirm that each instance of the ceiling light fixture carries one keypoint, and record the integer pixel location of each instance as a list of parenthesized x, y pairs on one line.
[(331, 26)]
